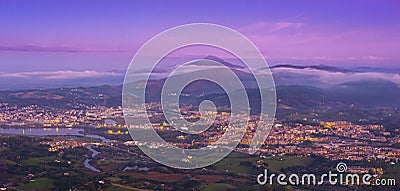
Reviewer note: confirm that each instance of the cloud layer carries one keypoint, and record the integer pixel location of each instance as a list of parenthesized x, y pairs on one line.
[(53, 75), (310, 76)]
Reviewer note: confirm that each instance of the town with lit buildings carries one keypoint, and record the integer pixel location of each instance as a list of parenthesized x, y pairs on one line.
[(36, 116), (334, 140)]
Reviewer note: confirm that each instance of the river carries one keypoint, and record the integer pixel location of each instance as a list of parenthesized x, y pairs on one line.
[(87, 164), (58, 132)]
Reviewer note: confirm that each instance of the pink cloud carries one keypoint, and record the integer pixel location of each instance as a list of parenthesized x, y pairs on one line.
[(51, 48), (266, 27)]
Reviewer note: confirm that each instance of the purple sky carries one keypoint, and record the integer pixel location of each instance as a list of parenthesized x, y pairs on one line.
[(103, 36)]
